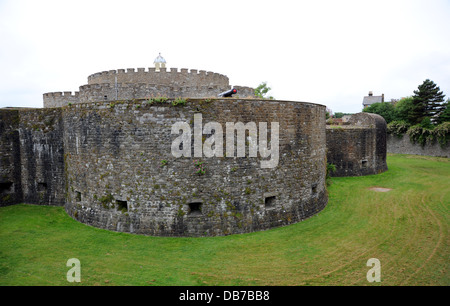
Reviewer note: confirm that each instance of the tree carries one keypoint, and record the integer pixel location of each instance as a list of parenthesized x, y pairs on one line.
[(262, 90), (384, 109), (444, 116), (339, 115), (427, 102), (403, 108)]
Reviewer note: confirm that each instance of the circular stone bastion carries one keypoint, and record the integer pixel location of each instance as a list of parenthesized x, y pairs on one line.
[(184, 168)]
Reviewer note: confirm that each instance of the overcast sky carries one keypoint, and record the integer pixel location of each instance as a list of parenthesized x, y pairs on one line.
[(326, 52)]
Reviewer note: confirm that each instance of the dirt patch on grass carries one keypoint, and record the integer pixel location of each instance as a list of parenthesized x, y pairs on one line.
[(380, 189)]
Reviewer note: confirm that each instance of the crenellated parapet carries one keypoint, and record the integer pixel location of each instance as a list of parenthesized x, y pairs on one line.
[(129, 84), (59, 99), (172, 76)]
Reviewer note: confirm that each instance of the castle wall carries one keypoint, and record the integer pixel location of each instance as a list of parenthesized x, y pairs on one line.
[(59, 99), (173, 77), (42, 156), (359, 148), (140, 84), (10, 170), (31, 157), (107, 92), (403, 145), (244, 92), (122, 175)]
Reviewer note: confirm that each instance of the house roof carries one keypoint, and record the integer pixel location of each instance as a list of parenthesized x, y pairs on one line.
[(369, 100)]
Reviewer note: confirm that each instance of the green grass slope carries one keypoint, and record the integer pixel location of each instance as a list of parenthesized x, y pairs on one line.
[(407, 229)]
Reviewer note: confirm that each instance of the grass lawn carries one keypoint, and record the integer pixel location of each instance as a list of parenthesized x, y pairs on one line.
[(407, 229)]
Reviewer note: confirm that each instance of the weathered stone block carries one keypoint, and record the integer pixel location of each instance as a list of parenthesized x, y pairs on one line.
[(359, 148)]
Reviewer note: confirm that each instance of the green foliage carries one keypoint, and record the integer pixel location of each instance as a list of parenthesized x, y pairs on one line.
[(339, 115), (403, 108), (199, 167), (398, 128), (426, 123), (6, 198), (444, 116), (385, 110), (262, 90), (162, 100), (427, 102), (418, 134), (330, 169), (180, 213), (422, 135), (159, 100), (416, 115), (442, 133), (179, 101), (106, 199)]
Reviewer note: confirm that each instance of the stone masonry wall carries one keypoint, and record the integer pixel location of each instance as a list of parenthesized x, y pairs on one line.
[(122, 176), (10, 175), (108, 92), (403, 145), (173, 77), (42, 156), (131, 84), (358, 149), (59, 99), (31, 157)]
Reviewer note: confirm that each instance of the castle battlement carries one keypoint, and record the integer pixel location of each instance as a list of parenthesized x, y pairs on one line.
[(191, 77), (65, 94), (141, 83), (58, 99)]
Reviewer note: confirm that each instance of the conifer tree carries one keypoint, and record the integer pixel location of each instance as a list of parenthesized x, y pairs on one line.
[(444, 116), (427, 102)]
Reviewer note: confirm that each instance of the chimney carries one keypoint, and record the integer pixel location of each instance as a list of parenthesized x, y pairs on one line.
[(382, 97), (370, 93)]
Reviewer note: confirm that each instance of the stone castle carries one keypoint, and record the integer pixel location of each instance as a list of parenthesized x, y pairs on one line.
[(104, 154), (130, 84), (359, 147)]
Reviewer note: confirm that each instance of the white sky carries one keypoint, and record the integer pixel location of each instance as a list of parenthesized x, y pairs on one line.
[(323, 51)]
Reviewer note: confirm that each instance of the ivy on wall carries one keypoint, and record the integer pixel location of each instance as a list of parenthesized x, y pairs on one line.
[(421, 134)]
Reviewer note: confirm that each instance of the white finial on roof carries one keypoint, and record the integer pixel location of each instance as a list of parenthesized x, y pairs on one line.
[(160, 59), (159, 62)]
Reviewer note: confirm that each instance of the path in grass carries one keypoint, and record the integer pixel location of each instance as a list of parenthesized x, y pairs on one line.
[(406, 228)]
